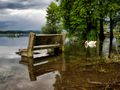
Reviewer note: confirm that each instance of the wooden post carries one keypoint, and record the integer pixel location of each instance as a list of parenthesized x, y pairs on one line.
[(31, 69), (31, 44), (24, 60), (62, 42)]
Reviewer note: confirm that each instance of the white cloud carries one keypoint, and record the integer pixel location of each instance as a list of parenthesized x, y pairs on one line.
[(32, 16), (4, 0), (27, 18)]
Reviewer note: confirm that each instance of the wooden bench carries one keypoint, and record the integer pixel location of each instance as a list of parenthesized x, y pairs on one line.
[(43, 41)]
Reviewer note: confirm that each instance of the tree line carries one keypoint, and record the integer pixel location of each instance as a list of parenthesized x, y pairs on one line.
[(82, 17)]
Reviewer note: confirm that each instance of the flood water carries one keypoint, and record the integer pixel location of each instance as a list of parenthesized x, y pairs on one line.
[(78, 68)]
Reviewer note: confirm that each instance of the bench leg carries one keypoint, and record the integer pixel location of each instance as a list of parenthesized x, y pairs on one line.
[(24, 60), (31, 69), (61, 49)]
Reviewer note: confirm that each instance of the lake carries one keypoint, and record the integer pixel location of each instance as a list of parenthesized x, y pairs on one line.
[(78, 68)]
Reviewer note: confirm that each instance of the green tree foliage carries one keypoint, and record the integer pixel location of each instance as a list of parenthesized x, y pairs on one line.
[(66, 7), (116, 19), (78, 16), (114, 8), (53, 17), (82, 16)]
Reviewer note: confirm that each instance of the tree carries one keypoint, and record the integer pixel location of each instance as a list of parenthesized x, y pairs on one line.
[(78, 16), (114, 8), (65, 6), (83, 15), (53, 17)]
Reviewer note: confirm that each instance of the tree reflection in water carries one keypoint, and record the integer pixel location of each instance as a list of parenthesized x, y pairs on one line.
[(109, 47), (78, 68)]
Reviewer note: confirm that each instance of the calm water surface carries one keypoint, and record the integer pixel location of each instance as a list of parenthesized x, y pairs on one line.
[(78, 68)]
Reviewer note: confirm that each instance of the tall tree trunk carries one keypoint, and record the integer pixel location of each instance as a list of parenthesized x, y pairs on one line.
[(111, 27), (111, 35), (88, 25), (100, 47), (101, 36), (110, 47)]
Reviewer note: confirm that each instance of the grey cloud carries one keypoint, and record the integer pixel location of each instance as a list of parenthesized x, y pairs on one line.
[(24, 4), (6, 24), (11, 26), (2, 12), (11, 6), (14, 22), (19, 25)]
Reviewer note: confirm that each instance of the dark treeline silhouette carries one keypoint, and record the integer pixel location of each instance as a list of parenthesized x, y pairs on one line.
[(18, 32)]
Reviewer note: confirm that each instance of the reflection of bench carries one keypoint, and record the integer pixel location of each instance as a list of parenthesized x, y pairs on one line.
[(40, 66), (43, 41)]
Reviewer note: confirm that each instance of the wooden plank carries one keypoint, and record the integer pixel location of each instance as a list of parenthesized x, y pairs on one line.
[(45, 40), (31, 44), (46, 46), (44, 35)]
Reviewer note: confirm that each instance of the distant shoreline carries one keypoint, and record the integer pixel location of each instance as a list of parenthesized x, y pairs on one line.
[(16, 33)]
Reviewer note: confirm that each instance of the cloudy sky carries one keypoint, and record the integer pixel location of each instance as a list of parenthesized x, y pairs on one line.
[(23, 14)]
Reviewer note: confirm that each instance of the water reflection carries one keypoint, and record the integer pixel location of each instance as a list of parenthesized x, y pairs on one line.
[(109, 46), (6, 41), (74, 74), (44, 65), (78, 68)]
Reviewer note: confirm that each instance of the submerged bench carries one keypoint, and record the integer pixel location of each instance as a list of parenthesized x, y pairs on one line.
[(43, 41)]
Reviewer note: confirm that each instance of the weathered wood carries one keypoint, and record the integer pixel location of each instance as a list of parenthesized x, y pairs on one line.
[(50, 64), (31, 44), (46, 46), (43, 41)]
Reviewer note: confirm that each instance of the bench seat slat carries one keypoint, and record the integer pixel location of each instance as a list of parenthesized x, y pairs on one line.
[(46, 46)]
